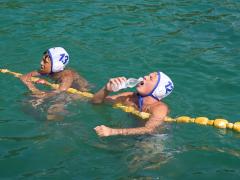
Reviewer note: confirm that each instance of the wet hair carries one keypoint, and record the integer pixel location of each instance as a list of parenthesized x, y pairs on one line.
[(45, 54)]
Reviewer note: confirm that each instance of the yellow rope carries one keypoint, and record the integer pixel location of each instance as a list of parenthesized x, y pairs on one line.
[(54, 86), (218, 123)]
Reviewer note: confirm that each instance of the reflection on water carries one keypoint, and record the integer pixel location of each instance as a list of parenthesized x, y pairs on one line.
[(149, 153), (52, 108), (197, 43), (213, 149)]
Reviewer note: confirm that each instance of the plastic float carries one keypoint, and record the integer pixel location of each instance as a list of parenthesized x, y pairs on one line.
[(218, 123)]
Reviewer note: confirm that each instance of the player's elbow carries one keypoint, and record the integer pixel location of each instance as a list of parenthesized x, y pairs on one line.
[(96, 100), (150, 130)]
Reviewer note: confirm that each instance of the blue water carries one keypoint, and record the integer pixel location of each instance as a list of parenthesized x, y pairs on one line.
[(196, 43)]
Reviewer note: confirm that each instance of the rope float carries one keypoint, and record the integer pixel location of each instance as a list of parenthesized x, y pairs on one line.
[(218, 123), (53, 86)]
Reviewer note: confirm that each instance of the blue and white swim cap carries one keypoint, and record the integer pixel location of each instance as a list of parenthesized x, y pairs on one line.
[(59, 58), (163, 87)]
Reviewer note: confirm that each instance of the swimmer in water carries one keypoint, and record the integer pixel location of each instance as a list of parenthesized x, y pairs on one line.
[(53, 65), (147, 98)]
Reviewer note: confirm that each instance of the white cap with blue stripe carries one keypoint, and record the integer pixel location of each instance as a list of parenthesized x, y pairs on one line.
[(163, 88), (59, 58)]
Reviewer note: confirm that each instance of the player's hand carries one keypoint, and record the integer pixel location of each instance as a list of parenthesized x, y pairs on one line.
[(103, 131), (115, 82)]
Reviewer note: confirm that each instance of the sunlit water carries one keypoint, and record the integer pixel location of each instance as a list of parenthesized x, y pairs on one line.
[(197, 43)]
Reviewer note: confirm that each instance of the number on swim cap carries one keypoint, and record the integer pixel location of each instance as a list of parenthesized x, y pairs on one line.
[(63, 58), (169, 87)]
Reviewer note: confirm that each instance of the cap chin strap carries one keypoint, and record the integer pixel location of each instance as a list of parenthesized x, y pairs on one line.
[(140, 97), (50, 55)]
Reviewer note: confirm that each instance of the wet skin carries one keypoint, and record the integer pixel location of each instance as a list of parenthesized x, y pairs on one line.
[(157, 109)]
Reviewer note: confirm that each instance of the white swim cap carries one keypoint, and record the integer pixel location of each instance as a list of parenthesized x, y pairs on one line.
[(163, 87), (59, 58)]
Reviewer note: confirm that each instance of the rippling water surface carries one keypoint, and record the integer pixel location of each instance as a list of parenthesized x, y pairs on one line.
[(197, 43)]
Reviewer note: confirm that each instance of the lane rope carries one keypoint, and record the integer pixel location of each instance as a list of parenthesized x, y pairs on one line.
[(218, 123)]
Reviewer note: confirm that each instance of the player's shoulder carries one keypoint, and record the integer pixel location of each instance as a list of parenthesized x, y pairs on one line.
[(160, 106), (67, 73)]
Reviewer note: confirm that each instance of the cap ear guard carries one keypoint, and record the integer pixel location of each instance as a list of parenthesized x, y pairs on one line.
[(163, 88), (59, 58)]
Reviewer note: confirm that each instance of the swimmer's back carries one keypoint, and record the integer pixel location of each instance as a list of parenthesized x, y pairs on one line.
[(78, 82)]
